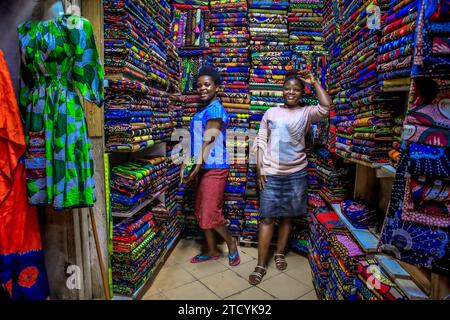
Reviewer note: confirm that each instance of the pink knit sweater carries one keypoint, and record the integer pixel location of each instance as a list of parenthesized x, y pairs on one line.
[(282, 138)]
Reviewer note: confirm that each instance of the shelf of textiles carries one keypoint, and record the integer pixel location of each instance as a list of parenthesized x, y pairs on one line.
[(364, 123), (396, 48), (141, 67), (136, 184), (269, 47), (342, 271), (141, 245)]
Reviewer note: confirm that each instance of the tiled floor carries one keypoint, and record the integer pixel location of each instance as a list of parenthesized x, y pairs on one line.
[(216, 280)]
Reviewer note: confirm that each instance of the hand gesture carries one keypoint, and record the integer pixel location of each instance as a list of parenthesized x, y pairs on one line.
[(306, 76)]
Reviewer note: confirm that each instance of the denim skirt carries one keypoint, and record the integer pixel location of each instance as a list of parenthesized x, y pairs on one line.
[(284, 195)]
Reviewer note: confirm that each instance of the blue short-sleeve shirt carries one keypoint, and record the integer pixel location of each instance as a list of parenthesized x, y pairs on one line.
[(218, 158)]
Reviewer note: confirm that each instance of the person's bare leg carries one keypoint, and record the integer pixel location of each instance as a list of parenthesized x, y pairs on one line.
[(265, 234), (231, 244), (284, 232), (211, 243)]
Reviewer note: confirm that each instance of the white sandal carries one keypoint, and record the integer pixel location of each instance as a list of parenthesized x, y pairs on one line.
[(258, 276)]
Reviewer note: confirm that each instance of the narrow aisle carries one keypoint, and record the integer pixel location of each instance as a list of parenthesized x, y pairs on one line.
[(215, 280)]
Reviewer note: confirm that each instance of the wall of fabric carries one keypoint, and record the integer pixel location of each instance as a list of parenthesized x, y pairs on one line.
[(417, 226)]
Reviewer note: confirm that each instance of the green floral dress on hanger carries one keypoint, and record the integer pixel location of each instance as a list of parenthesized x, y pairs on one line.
[(58, 58)]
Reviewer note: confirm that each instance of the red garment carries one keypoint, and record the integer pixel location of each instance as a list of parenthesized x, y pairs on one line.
[(209, 198), (22, 271)]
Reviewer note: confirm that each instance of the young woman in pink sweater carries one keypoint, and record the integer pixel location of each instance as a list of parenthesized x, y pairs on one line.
[(282, 166)]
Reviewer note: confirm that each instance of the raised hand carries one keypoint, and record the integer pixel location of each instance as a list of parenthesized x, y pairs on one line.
[(306, 76)]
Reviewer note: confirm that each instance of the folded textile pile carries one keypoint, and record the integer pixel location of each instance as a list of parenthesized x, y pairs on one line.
[(166, 215), (141, 65), (300, 234), (176, 110), (190, 25), (191, 62), (305, 23), (234, 199), (394, 153), (134, 183), (229, 50), (323, 224), (191, 37), (250, 232), (270, 56), (332, 43), (345, 256), (363, 118), (137, 248), (373, 283), (136, 116), (191, 105), (397, 45), (332, 175), (359, 214)]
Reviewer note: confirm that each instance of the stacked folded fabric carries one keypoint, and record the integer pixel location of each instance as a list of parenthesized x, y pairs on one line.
[(136, 116), (323, 224), (229, 50), (176, 110), (250, 232), (191, 105), (141, 66), (332, 176), (397, 45), (174, 67), (137, 247), (359, 214), (190, 25), (373, 283), (305, 23), (300, 234), (345, 256), (394, 154), (168, 222), (270, 55), (339, 96), (191, 62), (135, 41), (134, 183), (234, 199)]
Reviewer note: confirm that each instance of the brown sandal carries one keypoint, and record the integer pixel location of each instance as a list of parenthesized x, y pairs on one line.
[(256, 276), (280, 261)]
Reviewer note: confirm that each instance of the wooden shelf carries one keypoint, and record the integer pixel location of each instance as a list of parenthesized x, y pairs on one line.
[(366, 239), (139, 207), (386, 171)]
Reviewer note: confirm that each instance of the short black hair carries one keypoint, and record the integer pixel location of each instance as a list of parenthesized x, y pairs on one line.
[(208, 70), (293, 74)]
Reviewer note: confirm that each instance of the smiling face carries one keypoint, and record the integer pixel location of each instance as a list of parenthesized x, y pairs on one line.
[(206, 88), (292, 92)]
